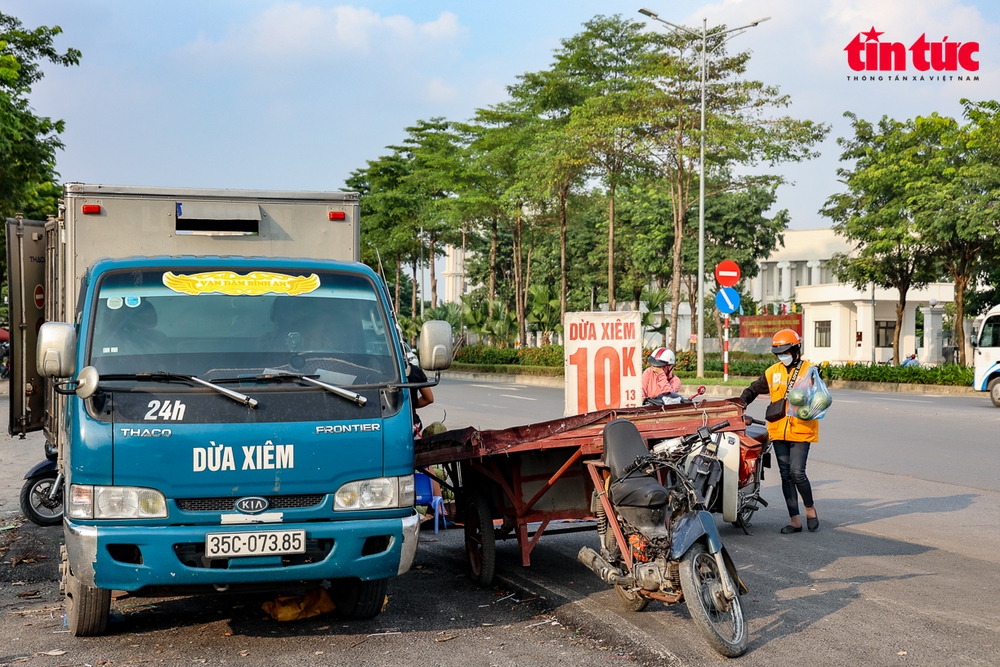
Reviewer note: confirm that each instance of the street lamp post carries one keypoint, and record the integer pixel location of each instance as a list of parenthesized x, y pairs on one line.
[(701, 178)]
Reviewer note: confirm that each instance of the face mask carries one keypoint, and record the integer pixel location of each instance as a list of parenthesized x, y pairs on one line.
[(786, 359)]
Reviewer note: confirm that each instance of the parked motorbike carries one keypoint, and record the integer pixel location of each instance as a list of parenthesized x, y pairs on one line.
[(662, 543), (4, 360), (737, 498), (42, 493)]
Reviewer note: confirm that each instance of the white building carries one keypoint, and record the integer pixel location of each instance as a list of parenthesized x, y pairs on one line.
[(455, 284), (839, 322)]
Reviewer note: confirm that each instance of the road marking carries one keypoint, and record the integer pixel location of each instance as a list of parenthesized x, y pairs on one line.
[(523, 398), (488, 386)]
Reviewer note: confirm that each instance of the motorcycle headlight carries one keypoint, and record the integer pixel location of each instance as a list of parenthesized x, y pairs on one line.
[(377, 493), (116, 502)]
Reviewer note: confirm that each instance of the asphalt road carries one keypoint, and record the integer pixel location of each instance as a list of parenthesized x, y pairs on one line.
[(903, 570)]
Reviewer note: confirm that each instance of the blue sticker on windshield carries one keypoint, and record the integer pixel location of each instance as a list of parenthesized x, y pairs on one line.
[(132, 301)]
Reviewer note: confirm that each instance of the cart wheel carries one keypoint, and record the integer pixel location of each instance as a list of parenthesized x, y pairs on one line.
[(480, 542)]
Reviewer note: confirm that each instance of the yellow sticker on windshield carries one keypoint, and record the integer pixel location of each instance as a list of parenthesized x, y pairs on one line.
[(254, 283)]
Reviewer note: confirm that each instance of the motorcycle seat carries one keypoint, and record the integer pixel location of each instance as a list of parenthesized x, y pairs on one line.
[(622, 445), (638, 491), (758, 433)]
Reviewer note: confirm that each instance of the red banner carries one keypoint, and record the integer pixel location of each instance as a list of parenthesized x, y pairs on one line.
[(765, 326)]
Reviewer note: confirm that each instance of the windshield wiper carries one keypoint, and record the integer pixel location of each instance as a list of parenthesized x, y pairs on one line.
[(309, 379), (169, 377)]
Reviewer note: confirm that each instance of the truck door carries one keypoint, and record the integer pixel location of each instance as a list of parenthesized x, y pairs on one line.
[(26, 288)]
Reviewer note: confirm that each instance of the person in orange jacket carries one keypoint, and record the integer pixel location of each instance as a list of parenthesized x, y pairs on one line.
[(791, 437)]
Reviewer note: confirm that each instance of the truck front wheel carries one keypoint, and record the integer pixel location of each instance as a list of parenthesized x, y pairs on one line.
[(87, 607), (995, 391), (359, 600)]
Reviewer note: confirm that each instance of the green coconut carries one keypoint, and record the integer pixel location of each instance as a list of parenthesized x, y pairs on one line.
[(798, 396), (434, 428), (804, 412), (820, 401)]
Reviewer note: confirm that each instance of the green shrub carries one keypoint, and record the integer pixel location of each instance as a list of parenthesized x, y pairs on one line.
[(948, 374), (749, 368), (745, 363), (547, 355), (687, 360), (486, 354), (690, 375)]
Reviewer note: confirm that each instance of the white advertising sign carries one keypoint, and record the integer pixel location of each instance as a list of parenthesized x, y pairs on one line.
[(603, 363)]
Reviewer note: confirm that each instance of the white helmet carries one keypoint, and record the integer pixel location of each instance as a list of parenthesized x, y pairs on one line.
[(661, 356)]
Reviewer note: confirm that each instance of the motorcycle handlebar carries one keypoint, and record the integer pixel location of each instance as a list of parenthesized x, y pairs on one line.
[(718, 427)]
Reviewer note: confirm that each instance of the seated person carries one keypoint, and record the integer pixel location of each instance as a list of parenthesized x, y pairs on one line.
[(659, 378), (298, 327), (137, 334)]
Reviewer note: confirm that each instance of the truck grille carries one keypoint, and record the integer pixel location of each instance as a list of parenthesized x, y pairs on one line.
[(227, 504)]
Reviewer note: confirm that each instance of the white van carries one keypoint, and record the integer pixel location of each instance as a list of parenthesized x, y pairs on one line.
[(987, 356)]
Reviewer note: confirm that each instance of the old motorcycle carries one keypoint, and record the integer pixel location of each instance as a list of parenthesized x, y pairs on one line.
[(736, 495), (658, 541)]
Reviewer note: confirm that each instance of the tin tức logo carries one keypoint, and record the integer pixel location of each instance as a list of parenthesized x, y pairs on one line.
[(945, 60)]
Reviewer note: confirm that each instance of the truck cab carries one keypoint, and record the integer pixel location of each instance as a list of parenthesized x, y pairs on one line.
[(986, 358), (225, 422)]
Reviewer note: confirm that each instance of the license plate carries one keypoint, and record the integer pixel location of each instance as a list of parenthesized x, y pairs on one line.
[(255, 543)]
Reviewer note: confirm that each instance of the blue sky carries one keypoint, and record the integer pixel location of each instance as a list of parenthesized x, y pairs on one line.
[(295, 95)]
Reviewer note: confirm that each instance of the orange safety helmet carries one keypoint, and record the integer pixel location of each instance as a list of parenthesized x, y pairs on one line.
[(784, 340)]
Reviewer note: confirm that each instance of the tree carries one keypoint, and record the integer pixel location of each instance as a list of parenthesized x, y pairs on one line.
[(875, 214), (739, 130), (432, 149), (28, 143), (499, 140), (555, 163), (543, 311), (605, 61), (389, 218), (955, 190)]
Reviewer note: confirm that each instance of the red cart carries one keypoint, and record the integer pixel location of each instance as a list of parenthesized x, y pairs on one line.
[(537, 473)]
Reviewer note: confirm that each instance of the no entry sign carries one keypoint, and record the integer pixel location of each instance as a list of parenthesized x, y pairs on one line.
[(603, 361), (727, 272), (39, 297)]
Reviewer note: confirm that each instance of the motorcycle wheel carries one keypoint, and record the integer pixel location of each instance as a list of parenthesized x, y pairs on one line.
[(720, 621), (630, 600), (480, 541), (38, 508)]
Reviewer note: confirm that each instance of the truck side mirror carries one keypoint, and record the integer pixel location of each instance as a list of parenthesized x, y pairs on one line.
[(56, 351), (435, 345)]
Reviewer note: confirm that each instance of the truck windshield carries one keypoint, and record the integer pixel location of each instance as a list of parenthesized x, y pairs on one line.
[(224, 324)]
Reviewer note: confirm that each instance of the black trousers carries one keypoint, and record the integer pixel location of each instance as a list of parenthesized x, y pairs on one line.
[(792, 466)]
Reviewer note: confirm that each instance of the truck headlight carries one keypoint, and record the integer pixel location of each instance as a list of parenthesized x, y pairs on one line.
[(377, 493), (116, 502)]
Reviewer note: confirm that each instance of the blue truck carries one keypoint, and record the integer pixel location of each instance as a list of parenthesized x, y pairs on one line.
[(225, 384)]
